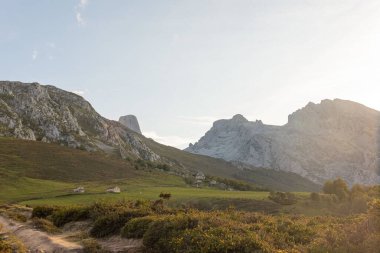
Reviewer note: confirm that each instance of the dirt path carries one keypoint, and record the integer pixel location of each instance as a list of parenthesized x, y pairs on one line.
[(38, 241), (118, 244)]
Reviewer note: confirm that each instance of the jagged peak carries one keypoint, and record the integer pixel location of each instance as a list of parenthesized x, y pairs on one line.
[(239, 118), (131, 122)]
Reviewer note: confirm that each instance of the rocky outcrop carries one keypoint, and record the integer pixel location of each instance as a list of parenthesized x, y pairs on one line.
[(335, 138), (131, 122), (46, 113)]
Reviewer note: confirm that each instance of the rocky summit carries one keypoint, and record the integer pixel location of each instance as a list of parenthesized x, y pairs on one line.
[(131, 122), (45, 113), (336, 138)]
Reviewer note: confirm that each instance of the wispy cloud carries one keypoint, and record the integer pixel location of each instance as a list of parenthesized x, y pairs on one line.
[(174, 141), (83, 3), (198, 120), (79, 18), (78, 12), (34, 54), (50, 44)]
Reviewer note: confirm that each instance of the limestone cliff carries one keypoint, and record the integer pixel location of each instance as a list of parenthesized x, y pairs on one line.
[(45, 113), (335, 138), (131, 122)]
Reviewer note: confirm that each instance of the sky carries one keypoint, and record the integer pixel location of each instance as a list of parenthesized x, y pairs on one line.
[(180, 65)]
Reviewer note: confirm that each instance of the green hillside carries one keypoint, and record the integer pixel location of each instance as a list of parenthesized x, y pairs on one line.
[(51, 161), (267, 178), (34, 170), (277, 180)]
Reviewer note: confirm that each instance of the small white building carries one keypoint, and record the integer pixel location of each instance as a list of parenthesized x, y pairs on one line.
[(80, 189), (113, 189), (213, 183), (200, 176)]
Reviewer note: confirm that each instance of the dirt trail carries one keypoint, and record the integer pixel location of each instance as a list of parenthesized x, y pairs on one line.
[(38, 241), (118, 244)]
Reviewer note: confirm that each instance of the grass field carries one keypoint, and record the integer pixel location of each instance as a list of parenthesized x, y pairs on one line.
[(180, 195), (36, 173)]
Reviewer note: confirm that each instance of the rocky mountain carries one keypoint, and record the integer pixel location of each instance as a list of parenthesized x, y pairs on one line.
[(335, 138), (131, 122), (46, 113)]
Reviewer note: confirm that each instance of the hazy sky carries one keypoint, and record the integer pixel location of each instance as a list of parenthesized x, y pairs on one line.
[(180, 65)]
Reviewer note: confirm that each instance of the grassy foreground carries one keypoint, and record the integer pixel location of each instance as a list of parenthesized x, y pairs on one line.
[(187, 230)]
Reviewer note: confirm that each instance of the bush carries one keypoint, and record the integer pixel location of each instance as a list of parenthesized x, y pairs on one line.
[(283, 198), (16, 216), (338, 187), (218, 239), (315, 196), (136, 227), (42, 211), (112, 223), (163, 166), (237, 184), (161, 231), (62, 216), (11, 244), (92, 246), (44, 225), (165, 195)]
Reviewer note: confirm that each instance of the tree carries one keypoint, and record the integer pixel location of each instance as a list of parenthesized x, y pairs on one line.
[(328, 187), (338, 187)]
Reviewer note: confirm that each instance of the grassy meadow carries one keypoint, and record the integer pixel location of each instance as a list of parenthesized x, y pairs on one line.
[(189, 219)]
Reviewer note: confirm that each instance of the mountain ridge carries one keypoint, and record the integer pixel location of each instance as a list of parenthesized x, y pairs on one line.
[(48, 114), (336, 138)]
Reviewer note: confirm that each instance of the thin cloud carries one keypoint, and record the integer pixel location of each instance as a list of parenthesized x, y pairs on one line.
[(174, 141), (50, 44), (34, 55), (83, 3), (78, 12), (79, 19), (200, 120)]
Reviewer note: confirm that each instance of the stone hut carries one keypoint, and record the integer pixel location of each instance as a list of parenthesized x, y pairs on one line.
[(80, 189), (200, 176), (115, 189)]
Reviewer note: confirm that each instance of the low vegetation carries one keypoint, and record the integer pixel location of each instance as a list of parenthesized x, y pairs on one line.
[(188, 230), (10, 244), (45, 225), (283, 198)]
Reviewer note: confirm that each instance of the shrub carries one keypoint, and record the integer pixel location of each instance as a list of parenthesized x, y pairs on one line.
[(338, 187), (237, 184), (11, 244), (283, 198), (112, 223), (315, 196), (160, 232), (42, 211), (163, 166), (165, 195), (16, 216), (44, 225), (218, 239), (136, 227), (62, 216), (92, 246)]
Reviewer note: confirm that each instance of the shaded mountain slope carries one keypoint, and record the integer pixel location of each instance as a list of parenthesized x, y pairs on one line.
[(336, 138), (46, 114)]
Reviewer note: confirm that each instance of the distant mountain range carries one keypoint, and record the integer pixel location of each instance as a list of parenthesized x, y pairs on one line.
[(336, 138), (45, 113)]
